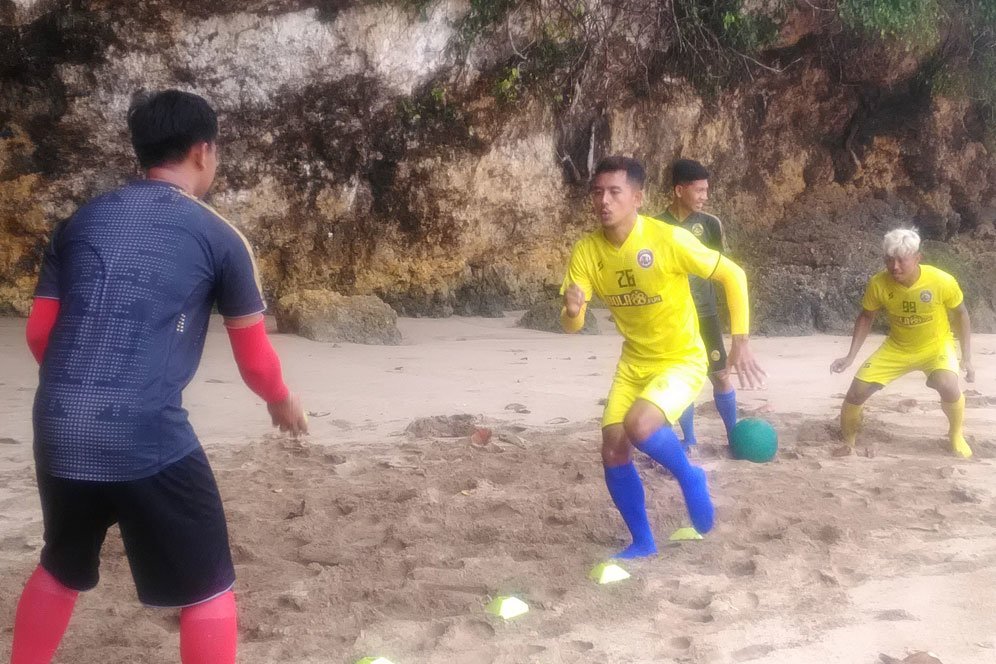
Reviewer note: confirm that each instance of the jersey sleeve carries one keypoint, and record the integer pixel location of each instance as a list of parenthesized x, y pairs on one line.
[(237, 285), (872, 300), (715, 234), (578, 271), (48, 277), (953, 296), (693, 257)]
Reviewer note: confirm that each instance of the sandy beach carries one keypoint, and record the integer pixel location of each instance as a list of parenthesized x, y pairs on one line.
[(368, 539)]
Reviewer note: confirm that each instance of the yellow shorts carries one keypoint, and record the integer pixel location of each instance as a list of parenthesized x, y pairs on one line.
[(671, 387), (890, 362)]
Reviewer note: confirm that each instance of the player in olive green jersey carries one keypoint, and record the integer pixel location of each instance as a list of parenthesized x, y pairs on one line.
[(690, 180)]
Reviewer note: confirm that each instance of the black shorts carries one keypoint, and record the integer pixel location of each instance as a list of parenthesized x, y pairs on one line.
[(712, 336), (172, 524)]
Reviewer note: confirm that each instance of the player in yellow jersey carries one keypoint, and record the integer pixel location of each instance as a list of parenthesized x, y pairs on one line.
[(639, 267), (918, 299)]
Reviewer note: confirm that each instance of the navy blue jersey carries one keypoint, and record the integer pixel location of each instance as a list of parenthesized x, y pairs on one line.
[(137, 272)]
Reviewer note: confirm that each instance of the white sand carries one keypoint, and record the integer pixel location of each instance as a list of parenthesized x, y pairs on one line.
[(362, 540)]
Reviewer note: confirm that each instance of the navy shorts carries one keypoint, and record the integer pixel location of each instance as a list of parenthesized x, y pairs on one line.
[(172, 524), (712, 336)]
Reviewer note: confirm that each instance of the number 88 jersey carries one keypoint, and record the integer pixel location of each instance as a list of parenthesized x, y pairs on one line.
[(918, 315)]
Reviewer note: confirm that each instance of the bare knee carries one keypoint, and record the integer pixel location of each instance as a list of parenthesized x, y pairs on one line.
[(616, 450), (946, 384), (643, 420), (721, 383), (859, 392)]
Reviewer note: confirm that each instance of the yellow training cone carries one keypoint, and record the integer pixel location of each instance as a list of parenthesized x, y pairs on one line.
[(507, 607), (683, 534), (375, 660), (608, 573)]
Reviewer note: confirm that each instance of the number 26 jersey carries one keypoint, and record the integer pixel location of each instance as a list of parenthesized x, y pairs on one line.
[(645, 285)]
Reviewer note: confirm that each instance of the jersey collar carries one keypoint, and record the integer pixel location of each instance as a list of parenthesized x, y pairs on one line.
[(634, 232)]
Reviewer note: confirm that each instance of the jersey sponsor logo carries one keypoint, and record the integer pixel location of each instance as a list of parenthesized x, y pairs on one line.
[(698, 230), (635, 298), (645, 258), (911, 321), (926, 296)]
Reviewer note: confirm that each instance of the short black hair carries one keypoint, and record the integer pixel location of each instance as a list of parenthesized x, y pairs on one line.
[(635, 172), (685, 171), (165, 125)]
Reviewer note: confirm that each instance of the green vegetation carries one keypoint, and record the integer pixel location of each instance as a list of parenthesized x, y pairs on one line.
[(908, 20), (562, 47), (546, 67), (748, 32), (484, 15), (727, 24), (965, 66), (429, 107)]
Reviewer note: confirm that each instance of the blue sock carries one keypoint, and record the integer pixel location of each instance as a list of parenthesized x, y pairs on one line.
[(664, 448), (626, 490), (726, 404), (687, 422)]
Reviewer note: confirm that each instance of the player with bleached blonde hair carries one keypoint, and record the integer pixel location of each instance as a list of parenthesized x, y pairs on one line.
[(918, 300)]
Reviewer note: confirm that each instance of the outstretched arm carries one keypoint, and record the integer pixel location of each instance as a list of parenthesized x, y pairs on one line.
[(963, 329), (741, 359), (260, 369), (862, 326)]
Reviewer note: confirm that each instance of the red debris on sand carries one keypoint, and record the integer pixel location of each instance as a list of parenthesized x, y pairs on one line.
[(481, 437)]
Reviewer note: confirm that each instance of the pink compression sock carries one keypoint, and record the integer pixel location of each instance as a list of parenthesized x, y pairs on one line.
[(209, 631), (43, 614)]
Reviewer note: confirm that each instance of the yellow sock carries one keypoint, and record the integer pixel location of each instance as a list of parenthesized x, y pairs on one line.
[(850, 422), (956, 420)]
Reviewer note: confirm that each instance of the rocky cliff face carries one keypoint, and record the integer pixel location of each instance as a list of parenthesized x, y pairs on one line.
[(435, 153)]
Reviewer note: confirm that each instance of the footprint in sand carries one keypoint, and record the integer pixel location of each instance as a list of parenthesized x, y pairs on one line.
[(698, 601), (743, 568), (962, 495), (895, 615), (680, 643), (466, 634), (577, 646), (828, 534), (752, 652)]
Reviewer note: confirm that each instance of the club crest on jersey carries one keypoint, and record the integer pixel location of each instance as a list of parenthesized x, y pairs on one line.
[(645, 258), (698, 230), (926, 296)]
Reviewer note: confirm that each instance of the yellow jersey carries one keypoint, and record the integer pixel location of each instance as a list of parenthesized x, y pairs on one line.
[(645, 285), (918, 315)]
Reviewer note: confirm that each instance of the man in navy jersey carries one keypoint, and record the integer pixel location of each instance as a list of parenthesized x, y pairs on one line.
[(121, 311)]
